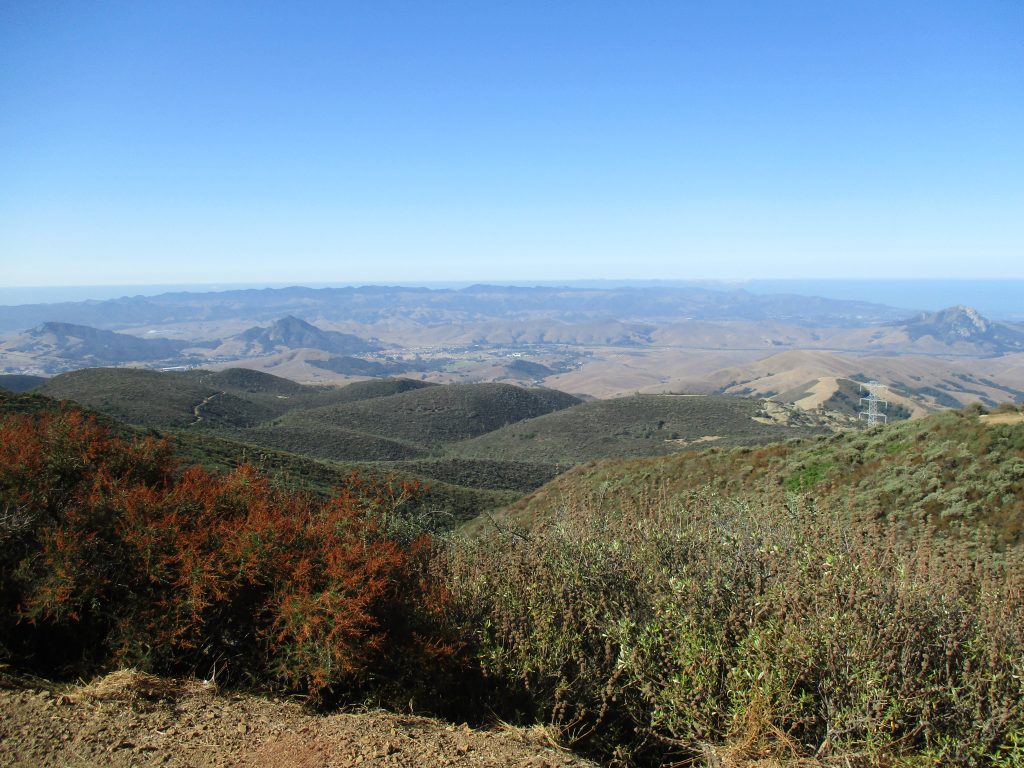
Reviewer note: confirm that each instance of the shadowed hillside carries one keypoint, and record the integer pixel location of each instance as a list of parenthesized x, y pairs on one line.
[(327, 441), (14, 382)]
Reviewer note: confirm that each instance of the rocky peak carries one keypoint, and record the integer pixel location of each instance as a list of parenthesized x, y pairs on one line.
[(962, 321), (964, 325)]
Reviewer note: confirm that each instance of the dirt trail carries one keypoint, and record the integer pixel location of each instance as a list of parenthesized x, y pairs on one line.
[(197, 408), (131, 719)]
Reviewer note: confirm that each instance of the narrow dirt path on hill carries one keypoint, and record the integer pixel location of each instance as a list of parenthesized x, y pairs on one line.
[(129, 719), (196, 411)]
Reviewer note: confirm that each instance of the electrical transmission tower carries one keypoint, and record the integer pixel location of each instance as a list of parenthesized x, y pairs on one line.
[(873, 415)]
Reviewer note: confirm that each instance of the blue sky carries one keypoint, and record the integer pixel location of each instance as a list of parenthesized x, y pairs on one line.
[(203, 142)]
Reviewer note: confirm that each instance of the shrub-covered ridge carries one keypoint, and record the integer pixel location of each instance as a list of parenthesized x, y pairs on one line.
[(958, 473), (667, 629)]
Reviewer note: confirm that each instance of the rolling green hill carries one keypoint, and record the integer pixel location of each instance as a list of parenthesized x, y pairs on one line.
[(326, 441), (373, 388), (642, 425), (237, 397), (960, 473), (133, 395), (437, 415), (249, 381), (139, 396)]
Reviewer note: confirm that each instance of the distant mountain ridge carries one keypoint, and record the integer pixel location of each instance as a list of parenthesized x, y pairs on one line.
[(69, 341), (369, 304)]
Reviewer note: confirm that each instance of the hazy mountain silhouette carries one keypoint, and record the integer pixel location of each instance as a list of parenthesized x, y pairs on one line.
[(68, 341)]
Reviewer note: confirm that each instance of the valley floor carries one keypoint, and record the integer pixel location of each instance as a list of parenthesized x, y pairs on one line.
[(130, 719)]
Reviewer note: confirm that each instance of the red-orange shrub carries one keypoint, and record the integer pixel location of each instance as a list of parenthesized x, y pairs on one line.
[(188, 571)]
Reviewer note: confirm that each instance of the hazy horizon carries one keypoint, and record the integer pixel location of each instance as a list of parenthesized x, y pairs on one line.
[(998, 299)]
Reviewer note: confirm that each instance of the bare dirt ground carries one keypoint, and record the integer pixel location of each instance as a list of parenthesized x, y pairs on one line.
[(994, 419), (130, 719)]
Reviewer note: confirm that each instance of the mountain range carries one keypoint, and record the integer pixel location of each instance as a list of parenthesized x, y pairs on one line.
[(371, 304), (591, 342)]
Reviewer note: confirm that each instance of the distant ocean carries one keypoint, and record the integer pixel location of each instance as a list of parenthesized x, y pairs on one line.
[(996, 299)]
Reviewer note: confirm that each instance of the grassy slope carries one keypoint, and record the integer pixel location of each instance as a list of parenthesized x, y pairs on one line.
[(642, 425), (951, 472)]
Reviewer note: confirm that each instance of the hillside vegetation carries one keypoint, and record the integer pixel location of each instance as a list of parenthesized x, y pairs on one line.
[(236, 397), (642, 425), (439, 414), (438, 504), (824, 599), (473, 447), (112, 555), (521, 476), (718, 629), (958, 473), (841, 600), (14, 382), (749, 623)]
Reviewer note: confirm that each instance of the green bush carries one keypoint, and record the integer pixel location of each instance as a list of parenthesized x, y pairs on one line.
[(656, 631)]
